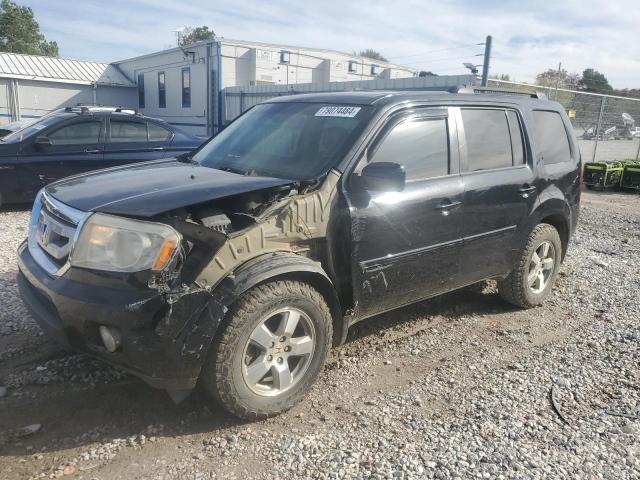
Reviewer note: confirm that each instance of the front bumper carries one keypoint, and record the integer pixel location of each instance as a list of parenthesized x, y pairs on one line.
[(165, 337)]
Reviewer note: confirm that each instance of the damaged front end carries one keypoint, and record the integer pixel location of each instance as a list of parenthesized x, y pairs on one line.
[(221, 239), (159, 324)]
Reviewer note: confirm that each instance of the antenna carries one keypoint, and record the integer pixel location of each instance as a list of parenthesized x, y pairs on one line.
[(180, 33)]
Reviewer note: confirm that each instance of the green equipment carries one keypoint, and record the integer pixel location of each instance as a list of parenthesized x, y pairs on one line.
[(631, 176), (601, 175)]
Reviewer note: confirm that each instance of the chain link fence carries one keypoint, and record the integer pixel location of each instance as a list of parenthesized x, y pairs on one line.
[(607, 126)]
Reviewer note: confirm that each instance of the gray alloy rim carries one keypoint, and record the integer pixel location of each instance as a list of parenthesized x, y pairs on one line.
[(541, 267), (278, 352)]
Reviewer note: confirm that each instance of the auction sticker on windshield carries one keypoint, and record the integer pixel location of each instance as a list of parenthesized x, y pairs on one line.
[(338, 111)]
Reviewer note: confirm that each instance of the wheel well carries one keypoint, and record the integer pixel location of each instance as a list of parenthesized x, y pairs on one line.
[(326, 289), (560, 224)]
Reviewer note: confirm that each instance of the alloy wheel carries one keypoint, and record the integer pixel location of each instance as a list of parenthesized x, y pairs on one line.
[(278, 352), (541, 267)]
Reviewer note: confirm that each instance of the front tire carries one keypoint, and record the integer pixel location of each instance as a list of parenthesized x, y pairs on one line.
[(272, 347), (534, 273)]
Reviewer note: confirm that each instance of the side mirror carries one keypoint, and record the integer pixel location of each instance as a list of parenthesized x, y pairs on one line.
[(383, 177), (42, 142)]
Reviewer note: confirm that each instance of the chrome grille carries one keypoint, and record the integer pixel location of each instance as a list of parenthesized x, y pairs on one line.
[(52, 231), (53, 236)]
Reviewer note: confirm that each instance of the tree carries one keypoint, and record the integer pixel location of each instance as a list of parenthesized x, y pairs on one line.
[(427, 74), (594, 81), (505, 77), (192, 35), (562, 78), (20, 33), (629, 92), (372, 54)]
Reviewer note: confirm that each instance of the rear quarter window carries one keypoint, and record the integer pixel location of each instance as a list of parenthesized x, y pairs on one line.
[(550, 135)]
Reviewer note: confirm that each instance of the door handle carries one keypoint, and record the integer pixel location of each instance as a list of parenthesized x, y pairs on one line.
[(89, 150), (526, 190), (447, 205), (157, 149)]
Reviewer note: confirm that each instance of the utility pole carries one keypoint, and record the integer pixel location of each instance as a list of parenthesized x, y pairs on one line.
[(485, 64), (558, 79)]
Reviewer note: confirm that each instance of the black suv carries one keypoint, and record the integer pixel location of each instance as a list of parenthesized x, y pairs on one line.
[(79, 139), (239, 265)]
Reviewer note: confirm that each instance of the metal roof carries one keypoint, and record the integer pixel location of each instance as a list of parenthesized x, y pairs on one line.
[(278, 46), (52, 69)]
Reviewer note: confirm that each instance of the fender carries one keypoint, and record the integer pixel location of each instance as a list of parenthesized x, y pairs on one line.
[(196, 331), (551, 206), (290, 265)]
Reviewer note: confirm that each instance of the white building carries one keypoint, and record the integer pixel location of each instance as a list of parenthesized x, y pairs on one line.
[(32, 85), (184, 86)]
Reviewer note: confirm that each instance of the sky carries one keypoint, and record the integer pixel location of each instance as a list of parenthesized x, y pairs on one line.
[(528, 37)]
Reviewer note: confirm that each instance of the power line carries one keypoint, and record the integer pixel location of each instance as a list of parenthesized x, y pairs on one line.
[(452, 69), (434, 51), (443, 59)]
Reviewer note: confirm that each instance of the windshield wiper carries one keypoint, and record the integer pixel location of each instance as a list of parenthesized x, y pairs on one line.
[(232, 170)]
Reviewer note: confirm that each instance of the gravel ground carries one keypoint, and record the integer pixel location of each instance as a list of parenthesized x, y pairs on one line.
[(462, 386)]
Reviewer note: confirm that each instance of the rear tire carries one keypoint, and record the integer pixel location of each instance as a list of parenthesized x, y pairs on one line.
[(536, 268), (271, 348)]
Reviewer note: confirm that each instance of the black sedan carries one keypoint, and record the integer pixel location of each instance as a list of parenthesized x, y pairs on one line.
[(79, 139)]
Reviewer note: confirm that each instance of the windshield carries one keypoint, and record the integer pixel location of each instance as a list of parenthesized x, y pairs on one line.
[(31, 128), (298, 141)]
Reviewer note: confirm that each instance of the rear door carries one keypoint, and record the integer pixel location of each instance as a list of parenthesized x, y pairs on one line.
[(133, 139), (499, 188), (76, 146), (161, 139), (406, 244)]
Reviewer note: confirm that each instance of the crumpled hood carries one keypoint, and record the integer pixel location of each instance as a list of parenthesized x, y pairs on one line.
[(151, 188)]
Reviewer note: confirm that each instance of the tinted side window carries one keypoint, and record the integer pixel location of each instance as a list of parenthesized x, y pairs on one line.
[(421, 146), (158, 133), (123, 131), (76, 133), (517, 146), (551, 137), (488, 139)]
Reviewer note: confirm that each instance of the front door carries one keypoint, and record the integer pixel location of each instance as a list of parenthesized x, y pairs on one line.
[(75, 146), (406, 244)]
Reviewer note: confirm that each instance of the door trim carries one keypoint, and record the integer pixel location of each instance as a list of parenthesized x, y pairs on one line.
[(376, 264), (498, 231)]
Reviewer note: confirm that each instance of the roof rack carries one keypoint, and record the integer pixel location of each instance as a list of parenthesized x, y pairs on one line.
[(502, 91), (84, 109)]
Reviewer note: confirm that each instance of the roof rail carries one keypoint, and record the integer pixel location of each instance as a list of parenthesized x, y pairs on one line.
[(82, 109), (507, 91), (89, 108), (132, 111)]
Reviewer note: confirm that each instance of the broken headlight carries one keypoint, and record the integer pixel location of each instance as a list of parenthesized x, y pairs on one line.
[(118, 244)]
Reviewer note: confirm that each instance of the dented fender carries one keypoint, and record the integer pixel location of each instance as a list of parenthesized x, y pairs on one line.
[(194, 314)]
